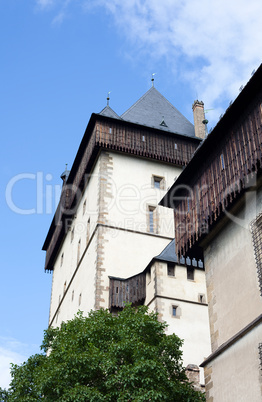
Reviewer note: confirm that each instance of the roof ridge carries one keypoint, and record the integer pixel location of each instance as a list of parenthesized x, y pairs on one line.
[(152, 109), (109, 112), (134, 104)]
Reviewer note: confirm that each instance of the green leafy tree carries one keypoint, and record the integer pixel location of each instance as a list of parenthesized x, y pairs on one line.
[(105, 358)]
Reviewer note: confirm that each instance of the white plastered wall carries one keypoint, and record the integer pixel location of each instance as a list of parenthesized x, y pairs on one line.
[(191, 324), (69, 248), (236, 374), (132, 190)]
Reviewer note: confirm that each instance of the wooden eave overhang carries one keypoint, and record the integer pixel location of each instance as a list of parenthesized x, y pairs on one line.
[(157, 145), (237, 138)]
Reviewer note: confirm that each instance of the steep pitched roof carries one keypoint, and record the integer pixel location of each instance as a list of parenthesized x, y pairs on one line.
[(108, 112), (154, 110), (169, 253)]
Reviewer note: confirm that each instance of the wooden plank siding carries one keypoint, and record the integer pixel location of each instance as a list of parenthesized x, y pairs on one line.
[(131, 290), (226, 172), (107, 134)]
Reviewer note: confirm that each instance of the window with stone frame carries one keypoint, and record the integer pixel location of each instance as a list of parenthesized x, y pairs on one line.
[(256, 230), (158, 182), (175, 311), (152, 221)]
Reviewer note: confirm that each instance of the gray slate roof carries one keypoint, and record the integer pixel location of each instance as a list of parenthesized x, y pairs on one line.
[(107, 111), (154, 110), (169, 253)]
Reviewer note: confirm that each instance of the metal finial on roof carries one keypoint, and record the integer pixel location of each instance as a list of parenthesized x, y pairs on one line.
[(65, 174), (152, 79), (108, 98)]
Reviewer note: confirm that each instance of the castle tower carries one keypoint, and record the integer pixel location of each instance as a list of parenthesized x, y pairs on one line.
[(108, 228)]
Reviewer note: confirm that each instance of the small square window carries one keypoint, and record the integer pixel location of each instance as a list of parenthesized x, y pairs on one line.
[(190, 273), (159, 182), (171, 269)]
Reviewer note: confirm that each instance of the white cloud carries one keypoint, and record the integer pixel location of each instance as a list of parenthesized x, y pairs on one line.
[(212, 45), (11, 351), (45, 3)]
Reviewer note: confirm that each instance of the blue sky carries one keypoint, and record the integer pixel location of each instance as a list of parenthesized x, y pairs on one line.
[(59, 59)]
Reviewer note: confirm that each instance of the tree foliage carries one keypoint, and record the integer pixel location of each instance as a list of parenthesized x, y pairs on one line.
[(105, 358)]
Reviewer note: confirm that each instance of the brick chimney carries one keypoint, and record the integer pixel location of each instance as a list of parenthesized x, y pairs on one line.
[(199, 119)]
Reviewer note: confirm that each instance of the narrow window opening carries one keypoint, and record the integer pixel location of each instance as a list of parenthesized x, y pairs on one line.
[(174, 311), (88, 231), (110, 130), (190, 273), (78, 250), (202, 298), (84, 207), (72, 234), (175, 146), (143, 138), (117, 289), (151, 219), (170, 269), (157, 182), (222, 161), (62, 260), (80, 299), (188, 204)]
